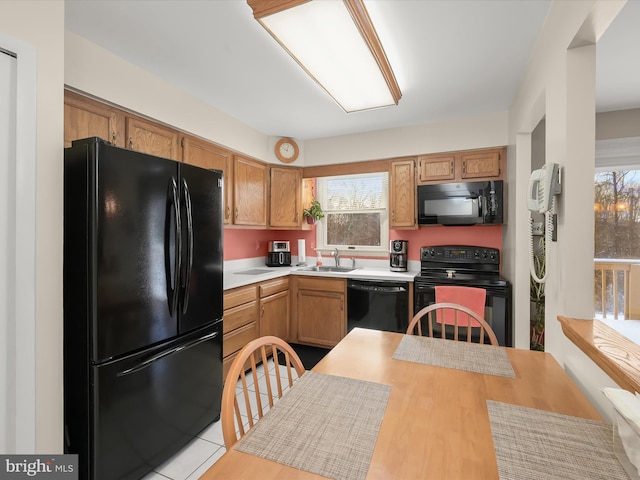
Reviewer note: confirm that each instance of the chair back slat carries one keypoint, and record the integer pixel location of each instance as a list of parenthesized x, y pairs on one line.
[(463, 318), (261, 351)]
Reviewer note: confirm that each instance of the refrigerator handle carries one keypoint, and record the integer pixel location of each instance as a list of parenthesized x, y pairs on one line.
[(172, 280), (154, 358), (186, 196)]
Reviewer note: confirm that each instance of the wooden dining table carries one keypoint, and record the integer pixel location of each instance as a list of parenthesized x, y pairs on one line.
[(436, 423)]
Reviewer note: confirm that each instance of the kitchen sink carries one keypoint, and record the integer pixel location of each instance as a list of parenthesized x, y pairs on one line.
[(327, 268)]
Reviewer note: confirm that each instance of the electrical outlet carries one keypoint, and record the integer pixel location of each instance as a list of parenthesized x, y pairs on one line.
[(537, 228)]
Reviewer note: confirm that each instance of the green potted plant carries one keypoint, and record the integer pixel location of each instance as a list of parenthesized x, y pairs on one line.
[(314, 212), (537, 298)]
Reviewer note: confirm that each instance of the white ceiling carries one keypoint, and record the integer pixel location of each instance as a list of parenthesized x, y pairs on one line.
[(452, 59)]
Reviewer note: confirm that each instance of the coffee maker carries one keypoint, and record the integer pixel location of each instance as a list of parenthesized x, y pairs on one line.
[(398, 255)]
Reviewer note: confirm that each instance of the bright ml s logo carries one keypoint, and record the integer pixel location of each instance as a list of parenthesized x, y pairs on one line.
[(49, 467), (30, 468)]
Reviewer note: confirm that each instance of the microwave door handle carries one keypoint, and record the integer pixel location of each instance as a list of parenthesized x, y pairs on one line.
[(281, 258)]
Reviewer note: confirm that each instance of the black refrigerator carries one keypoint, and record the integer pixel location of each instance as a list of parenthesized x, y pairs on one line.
[(142, 307)]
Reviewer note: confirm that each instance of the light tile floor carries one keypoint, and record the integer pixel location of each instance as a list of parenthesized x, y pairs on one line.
[(195, 458)]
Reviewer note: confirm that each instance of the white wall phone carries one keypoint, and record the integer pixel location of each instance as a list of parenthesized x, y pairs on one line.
[(544, 185)]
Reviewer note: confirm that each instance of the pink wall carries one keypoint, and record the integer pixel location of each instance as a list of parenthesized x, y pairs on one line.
[(477, 236), (244, 243)]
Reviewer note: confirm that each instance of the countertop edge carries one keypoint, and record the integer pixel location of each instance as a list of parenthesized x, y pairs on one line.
[(618, 356), (235, 279)]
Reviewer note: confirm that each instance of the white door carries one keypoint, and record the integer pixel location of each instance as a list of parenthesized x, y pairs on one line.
[(8, 71)]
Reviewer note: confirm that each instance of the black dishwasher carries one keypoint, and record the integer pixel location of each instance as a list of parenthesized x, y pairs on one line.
[(380, 305)]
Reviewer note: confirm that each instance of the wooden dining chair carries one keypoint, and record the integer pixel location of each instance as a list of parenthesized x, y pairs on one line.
[(462, 322), (239, 417)]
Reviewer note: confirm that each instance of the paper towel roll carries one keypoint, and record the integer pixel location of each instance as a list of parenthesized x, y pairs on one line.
[(302, 251)]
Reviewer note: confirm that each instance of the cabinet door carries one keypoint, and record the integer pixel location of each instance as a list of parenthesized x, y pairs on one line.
[(249, 192), (321, 317), (436, 167), (84, 118), (274, 315), (402, 194), (207, 155), (285, 206), (482, 164), (307, 199), (152, 138)]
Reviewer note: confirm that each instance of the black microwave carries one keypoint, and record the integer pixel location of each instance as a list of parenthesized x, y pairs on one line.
[(466, 203)]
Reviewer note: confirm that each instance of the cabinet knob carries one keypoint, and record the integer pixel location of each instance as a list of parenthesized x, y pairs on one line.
[(236, 213), (228, 215), (113, 137), (131, 143)]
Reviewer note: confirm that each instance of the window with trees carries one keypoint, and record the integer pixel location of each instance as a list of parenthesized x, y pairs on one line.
[(616, 245), (617, 214), (356, 217)]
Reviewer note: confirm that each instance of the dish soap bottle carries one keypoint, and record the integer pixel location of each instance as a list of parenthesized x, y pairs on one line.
[(318, 258)]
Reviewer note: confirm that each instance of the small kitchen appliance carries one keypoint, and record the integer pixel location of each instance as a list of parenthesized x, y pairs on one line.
[(398, 255), (279, 254)]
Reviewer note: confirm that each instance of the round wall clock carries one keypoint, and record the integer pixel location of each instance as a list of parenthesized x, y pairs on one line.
[(286, 150)]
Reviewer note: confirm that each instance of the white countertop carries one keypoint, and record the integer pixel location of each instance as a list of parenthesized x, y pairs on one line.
[(233, 278)]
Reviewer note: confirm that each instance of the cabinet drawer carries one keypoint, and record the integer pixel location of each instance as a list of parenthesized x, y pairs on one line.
[(274, 286), (239, 316), (238, 296), (234, 341), (323, 284)]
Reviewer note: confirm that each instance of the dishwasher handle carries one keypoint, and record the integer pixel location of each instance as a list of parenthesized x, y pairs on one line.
[(376, 287)]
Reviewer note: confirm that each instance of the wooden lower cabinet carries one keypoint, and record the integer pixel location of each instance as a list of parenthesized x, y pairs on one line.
[(254, 311), (320, 310), (240, 322), (274, 308)]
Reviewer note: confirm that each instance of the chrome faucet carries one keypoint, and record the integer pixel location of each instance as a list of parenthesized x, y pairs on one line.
[(336, 256), (353, 262)]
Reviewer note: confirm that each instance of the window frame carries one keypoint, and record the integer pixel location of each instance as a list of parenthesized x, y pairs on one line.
[(321, 226)]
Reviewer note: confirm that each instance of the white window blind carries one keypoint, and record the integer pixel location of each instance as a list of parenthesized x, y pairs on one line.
[(356, 213)]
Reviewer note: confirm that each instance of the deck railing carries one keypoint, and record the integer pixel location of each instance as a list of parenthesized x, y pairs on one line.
[(615, 280)]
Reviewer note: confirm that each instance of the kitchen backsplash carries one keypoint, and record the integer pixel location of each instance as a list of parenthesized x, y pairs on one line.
[(246, 243)]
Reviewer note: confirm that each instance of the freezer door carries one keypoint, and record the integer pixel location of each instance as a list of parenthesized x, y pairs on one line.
[(147, 407), (201, 222)]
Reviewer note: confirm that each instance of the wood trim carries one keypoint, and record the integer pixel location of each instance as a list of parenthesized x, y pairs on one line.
[(363, 21), (614, 353), (262, 8), (369, 166)]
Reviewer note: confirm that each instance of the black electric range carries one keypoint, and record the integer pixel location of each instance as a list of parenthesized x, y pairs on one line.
[(472, 267)]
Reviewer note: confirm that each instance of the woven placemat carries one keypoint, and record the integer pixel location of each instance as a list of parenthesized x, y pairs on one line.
[(326, 425), (531, 443), (471, 357)]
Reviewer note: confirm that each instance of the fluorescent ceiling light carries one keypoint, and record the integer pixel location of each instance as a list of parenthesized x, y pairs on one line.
[(335, 42)]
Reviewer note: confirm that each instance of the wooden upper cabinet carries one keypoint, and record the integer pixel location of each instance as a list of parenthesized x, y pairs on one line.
[(468, 165), (152, 138), (481, 165), (402, 194), (207, 155), (84, 118), (285, 197), (249, 192), (307, 200), (436, 167)]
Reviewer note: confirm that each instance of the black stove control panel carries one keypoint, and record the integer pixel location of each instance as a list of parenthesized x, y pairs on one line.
[(456, 254)]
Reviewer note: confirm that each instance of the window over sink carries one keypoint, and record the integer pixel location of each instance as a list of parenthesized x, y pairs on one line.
[(356, 213)]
